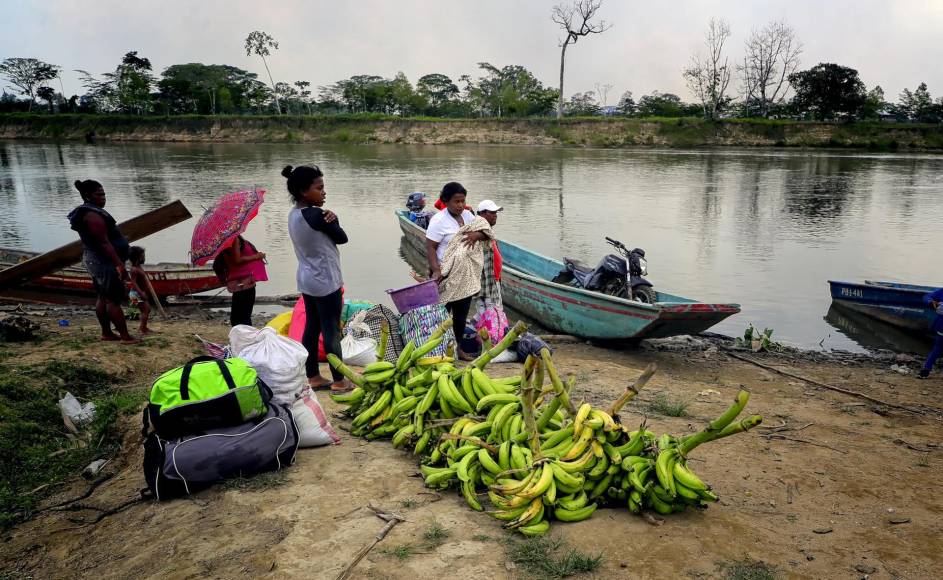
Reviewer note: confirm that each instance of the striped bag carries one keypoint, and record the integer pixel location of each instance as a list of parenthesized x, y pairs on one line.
[(418, 325)]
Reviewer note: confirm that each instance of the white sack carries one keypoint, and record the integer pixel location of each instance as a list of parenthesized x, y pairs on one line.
[(314, 429), (279, 360)]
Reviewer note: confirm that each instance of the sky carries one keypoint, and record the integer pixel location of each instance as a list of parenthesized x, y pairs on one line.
[(892, 43)]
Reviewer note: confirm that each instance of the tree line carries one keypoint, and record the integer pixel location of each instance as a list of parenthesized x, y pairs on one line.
[(769, 84)]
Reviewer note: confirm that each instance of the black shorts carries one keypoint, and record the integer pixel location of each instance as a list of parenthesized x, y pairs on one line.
[(106, 281)]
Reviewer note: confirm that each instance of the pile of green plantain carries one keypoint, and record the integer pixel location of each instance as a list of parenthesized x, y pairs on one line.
[(534, 454)]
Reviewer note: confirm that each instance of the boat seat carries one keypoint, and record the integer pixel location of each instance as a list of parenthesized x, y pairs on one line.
[(578, 265)]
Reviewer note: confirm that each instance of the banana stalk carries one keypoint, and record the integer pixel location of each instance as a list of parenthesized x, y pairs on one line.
[(473, 440), (345, 370), (732, 429), (384, 340), (558, 385), (632, 390), (508, 340), (531, 369), (717, 425), (485, 339)]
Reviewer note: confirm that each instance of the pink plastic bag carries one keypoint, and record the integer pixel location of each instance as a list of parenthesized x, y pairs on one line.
[(494, 321)]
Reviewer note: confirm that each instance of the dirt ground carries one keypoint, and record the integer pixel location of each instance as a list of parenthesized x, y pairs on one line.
[(830, 487)]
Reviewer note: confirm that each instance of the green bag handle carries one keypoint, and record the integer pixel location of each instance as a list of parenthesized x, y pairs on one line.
[(185, 379)]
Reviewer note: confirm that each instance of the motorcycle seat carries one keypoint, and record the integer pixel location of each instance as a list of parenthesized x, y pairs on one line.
[(577, 265)]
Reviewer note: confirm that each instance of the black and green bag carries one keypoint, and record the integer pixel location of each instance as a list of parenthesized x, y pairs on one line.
[(206, 393)]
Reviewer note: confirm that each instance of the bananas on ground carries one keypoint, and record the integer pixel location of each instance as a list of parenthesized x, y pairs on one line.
[(522, 459)]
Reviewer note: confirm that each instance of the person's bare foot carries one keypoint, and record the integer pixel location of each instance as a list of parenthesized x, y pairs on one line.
[(110, 338), (461, 355), (318, 382), (130, 340)]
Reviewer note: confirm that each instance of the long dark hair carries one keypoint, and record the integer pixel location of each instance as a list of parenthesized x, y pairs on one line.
[(300, 179)]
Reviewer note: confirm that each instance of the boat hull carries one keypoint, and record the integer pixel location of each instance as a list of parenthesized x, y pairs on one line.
[(900, 305), (168, 279), (526, 287)]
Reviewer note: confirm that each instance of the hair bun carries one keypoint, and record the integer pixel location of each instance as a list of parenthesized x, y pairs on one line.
[(286, 173), (78, 184)]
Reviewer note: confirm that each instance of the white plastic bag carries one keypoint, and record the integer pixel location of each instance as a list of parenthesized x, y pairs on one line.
[(279, 361), (506, 356), (358, 351), (314, 429), (75, 411)]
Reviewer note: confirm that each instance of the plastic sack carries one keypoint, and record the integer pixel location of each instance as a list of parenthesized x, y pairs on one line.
[(75, 411), (506, 356), (314, 429), (495, 321), (279, 361), (358, 351)]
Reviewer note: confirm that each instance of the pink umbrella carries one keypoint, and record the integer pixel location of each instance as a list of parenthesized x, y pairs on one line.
[(222, 223)]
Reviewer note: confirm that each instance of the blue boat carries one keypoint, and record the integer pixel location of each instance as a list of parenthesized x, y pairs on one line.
[(526, 286), (900, 305)]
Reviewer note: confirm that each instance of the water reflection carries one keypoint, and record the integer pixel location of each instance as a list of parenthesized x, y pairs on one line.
[(765, 228)]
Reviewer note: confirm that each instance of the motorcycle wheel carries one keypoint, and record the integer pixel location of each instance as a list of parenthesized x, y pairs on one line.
[(616, 288), (645, 294)]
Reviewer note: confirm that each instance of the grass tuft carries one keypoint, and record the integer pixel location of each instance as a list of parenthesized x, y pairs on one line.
[(749, 570), (435, 534), (258, 482), (662, 404), (538, 557), (398, 552)]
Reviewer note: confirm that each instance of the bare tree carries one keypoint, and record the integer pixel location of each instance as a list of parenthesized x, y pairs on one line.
[(772, 54), (603, 91), (574, 19), (709, 75), (260, 43)]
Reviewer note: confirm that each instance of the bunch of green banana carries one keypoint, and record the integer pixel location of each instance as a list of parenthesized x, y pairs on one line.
[(534, 458)]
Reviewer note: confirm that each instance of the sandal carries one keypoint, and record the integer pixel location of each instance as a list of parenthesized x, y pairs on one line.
[(319, 386), (345, 387)]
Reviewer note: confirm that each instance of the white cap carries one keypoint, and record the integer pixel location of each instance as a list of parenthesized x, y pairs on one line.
[(488, 205)]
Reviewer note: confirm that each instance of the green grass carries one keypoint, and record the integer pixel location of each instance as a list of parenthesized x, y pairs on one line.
[(399, 552), (35, 447), (539, 557), (436, 534), (749, 570), (662, 404), (258, 482)]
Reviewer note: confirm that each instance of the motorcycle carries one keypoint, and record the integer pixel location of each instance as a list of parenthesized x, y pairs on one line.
[(620, 276)]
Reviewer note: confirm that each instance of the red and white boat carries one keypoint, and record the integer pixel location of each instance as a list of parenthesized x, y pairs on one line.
[(168, 278)]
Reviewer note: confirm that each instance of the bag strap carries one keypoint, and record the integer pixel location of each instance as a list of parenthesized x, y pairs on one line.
[(185, 379), (145, 418)]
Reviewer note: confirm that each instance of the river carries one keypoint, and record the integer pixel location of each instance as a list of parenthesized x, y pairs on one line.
[(763, 228)]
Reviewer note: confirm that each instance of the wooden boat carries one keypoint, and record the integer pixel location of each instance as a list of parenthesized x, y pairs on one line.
[(526, 287), (168, 278), (900, 305)]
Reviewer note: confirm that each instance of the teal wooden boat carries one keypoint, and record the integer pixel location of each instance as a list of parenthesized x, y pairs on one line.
[(526, 287)]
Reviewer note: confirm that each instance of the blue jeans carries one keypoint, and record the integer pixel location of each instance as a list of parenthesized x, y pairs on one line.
[(935, 353)]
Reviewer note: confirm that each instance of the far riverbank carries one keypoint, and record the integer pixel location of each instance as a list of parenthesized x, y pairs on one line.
[(582, 132)]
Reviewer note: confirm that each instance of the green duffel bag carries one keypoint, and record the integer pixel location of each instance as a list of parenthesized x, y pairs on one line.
[(206, 393)]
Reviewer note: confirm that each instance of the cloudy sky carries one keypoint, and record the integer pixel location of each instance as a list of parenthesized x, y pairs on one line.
[(893, 43)]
